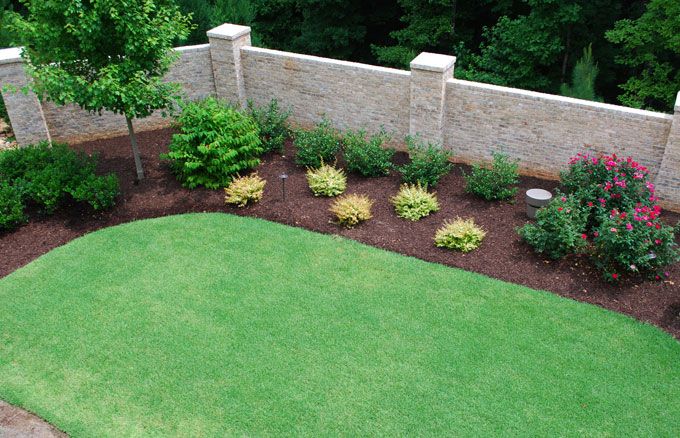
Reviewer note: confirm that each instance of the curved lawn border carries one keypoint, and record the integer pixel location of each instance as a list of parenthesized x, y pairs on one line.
[(212, 324)]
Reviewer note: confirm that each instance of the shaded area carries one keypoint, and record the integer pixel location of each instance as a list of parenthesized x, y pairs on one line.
[(502, 254)]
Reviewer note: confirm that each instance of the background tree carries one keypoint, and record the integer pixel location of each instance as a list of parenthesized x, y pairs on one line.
[(103, 55), (651, 48), (583, 78)]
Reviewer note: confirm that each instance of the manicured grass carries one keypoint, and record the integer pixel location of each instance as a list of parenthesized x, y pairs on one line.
[(213, 325)]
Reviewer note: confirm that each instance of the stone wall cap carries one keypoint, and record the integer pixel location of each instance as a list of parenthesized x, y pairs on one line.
[(677, 103), (433, 62), (228, 31), (10, 56)]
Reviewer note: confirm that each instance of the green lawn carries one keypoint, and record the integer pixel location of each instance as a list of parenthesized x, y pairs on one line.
[(214, 325)]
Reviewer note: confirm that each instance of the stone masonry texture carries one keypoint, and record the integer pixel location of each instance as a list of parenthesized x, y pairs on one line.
[(471, 119)]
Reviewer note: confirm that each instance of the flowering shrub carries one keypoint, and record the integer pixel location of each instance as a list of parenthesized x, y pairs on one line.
[(414, 202), (244, 190), (560, 228), (461, 235), (620, 227), (326, 181), (352, 209)]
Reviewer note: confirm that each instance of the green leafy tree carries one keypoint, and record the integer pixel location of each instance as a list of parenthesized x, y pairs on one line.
[(104, 55), (650, 45), (583, 78), (207, 14)]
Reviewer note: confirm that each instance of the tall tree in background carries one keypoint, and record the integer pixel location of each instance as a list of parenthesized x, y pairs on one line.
[(651, 47), (104, 55), (207, 14), (583, 78)]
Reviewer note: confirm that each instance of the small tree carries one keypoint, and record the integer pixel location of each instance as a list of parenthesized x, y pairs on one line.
[(583, 78), (104, 55)]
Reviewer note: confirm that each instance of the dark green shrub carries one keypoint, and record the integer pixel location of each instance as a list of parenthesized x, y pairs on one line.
[(367, 156), (495, 182), (273, 125), (317, 146), (560, 228), (429, 163), (215, 143), (48, 176), (11, 207)]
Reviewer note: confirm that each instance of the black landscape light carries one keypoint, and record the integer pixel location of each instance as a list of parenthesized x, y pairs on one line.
[(283, 177)]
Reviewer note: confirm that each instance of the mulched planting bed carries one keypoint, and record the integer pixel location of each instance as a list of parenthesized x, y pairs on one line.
[(502, 254)]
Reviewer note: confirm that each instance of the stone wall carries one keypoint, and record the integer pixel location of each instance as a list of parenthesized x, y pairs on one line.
[(471, 119)]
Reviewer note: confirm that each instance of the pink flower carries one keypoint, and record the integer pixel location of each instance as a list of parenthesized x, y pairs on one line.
[(584, 236), (613, 230), (629, 227), (615, 276), (560, 209), (590, 204), (596, 234), (563, 199), (658, 241)]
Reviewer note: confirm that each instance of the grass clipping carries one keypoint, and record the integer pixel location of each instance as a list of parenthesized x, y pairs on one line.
[(350, 210), (245, 190), (460, 235)]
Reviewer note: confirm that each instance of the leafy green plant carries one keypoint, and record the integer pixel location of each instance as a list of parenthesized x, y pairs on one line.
[(560, 228), (317, 146), (495, 182), (273, 125), (352, 209), (245, 190), (367, 156), (460, 235), (214, 143), (48, 175), (429, 163), (11, 207), (414, 202), (326, 181), (104, 55)]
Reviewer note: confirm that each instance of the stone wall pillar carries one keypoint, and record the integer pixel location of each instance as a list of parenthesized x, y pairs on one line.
[(225, 50), (429, 73), (668, 178), (24, 110)]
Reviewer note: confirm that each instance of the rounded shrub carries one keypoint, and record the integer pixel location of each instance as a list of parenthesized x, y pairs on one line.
[(414, 202), (495, 182), (326, 181), (11, 207), (350, 210), (273, 125), (429, 163), (318, 146), (366, 155), (460, 235), (244, 190), (215, 142)]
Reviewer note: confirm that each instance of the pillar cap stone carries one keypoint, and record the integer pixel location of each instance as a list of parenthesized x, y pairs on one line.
[(433, 62), (228, 31), (677, 103), (10, 56)]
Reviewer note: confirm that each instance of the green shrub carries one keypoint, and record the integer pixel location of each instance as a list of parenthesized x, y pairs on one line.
[(317, 146), (11, 207), (214, 143), (495, 182), (429, 163), (273, 125), (366, 156), (350, 210), (326, 181), (460, 235), (414, 202), (50, 175), (560, 228), (245, 190)]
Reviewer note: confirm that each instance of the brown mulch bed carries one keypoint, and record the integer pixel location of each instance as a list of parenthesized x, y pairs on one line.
[(502, 254)]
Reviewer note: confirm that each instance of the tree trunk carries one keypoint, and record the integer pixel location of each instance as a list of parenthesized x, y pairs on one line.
[(135, 149), (565, 59), (453, 19)]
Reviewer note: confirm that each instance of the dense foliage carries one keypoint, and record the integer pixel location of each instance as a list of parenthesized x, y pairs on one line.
[(608, 211), (495, 182), (326, 180), (350, 210), (429, 163), (273, 124), (215, 142), (49, 177), (367, 156), (318, 146), (460, 235), (414, 202), (244, 190)]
